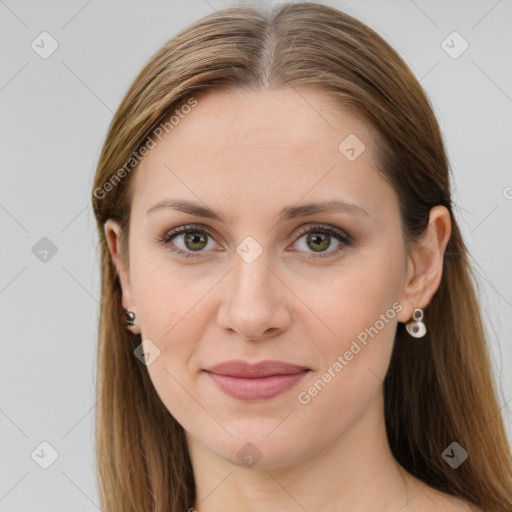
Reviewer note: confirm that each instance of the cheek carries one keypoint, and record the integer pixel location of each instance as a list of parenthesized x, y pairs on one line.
[(361, 309), (360, 306), (359, 296), (174, 308), (167, 295), (171, 309)]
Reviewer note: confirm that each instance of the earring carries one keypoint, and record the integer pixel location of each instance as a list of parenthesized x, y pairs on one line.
[(130, 315), (415, 327)]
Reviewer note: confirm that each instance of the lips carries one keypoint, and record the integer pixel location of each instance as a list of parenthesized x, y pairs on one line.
[(259, 381), (242, 369)]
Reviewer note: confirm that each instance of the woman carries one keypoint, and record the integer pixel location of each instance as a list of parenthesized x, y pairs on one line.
[(289, 320)]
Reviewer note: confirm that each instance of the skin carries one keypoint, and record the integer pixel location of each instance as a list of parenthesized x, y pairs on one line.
[(248, 155)]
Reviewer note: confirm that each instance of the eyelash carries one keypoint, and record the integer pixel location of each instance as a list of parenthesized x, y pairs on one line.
[(344, 238)]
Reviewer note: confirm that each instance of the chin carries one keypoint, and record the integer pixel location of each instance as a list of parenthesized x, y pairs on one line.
[(259, 450)]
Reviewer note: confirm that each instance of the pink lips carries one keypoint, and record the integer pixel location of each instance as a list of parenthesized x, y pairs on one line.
[(258, 381)]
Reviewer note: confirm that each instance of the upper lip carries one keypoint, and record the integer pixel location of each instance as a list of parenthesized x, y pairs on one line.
[(239, 368)]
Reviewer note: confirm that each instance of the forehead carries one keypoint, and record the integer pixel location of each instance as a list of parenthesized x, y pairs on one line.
[(256, 146)]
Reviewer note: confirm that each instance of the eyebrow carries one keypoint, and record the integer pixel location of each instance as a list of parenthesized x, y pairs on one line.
[(287, 213)]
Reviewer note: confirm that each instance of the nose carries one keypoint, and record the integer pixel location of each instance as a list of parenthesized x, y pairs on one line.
[(254, 301)]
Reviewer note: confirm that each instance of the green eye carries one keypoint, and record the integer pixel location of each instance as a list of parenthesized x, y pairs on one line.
[(191, 240), (196, 240), (320, 238)]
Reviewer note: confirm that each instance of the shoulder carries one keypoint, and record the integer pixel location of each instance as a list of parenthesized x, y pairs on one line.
[(424, 498), (433, 500)]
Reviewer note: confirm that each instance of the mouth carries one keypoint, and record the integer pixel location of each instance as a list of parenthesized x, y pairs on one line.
[(260, 381)]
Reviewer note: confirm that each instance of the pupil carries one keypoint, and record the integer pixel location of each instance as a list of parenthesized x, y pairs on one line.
[(321, 239), (195, 238)]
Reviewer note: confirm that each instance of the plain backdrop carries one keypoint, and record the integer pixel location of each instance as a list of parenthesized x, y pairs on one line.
[(54, 115)]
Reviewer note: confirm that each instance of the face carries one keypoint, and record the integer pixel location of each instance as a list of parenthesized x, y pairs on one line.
[(316, 292)]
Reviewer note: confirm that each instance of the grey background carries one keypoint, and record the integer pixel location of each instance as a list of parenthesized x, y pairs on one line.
[(54, 116)]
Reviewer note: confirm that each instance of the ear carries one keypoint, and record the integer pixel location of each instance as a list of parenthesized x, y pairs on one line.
[(112, 231), (425, 263)]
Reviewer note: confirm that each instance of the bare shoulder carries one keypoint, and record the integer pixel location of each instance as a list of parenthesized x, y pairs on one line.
[(424, 498), (433, 500)]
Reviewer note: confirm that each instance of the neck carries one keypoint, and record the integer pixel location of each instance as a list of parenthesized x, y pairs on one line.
[(355, 472)]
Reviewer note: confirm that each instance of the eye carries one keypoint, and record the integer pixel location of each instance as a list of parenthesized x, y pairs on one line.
[(188, 240), (319, 238), (191, 240)]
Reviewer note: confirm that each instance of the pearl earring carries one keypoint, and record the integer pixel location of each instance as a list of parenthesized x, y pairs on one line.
[(415, 327), (130, 315)]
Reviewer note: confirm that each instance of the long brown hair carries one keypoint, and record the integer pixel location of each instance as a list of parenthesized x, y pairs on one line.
[(436, 392)]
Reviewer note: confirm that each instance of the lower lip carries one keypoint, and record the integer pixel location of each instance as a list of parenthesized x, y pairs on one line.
[(256, 389)]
